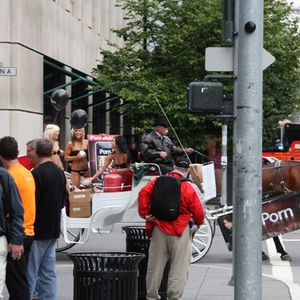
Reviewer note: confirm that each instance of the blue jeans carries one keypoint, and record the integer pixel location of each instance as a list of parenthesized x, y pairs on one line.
[(41, 266), (3, 255)]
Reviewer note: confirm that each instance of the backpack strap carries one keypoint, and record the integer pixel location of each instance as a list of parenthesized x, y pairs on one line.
[(182, 179)]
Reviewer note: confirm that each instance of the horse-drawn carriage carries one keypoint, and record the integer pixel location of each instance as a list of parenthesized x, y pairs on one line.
[(109, 207)]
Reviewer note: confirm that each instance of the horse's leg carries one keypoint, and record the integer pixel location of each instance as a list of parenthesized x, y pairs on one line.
[(279, 248), (278, 245)]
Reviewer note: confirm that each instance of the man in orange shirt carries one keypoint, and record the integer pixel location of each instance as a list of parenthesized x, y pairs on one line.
[(16, 280)]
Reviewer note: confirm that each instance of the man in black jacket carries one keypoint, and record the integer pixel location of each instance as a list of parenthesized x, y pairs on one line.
[(11, 223), (157, 148), (50, 197)]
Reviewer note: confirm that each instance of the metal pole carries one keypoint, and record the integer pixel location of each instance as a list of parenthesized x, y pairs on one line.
[(84, 96), (224, 165), (69, 73), (106, 100), (62, 86), (247, 152), (235, 101), (218, 77)]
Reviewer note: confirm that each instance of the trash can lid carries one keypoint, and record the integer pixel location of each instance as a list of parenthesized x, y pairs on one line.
[(104, 261), (105, 254)]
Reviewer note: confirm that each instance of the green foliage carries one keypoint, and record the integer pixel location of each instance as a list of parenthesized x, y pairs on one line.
[(164, 49), (281, 79)]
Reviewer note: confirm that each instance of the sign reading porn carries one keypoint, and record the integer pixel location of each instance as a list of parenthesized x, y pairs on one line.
[(280, 215), (99, 148)]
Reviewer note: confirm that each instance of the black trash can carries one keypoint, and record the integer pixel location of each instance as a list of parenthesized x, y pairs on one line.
[(105, 275), (138, 241)]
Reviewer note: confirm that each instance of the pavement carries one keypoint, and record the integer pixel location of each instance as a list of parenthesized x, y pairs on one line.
[(204, 283), (209, 282), (207, 279)]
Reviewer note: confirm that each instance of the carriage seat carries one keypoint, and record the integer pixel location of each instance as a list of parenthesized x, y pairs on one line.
[(144, 169)]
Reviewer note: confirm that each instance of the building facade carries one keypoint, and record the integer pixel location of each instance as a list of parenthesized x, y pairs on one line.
[(50, 44)]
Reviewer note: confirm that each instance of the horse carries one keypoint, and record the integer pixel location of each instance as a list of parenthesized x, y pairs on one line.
[(280, 176)]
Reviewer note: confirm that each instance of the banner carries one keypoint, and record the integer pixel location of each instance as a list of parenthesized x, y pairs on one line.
[(99, 149), (280, 215)]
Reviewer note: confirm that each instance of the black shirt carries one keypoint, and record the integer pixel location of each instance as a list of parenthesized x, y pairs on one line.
[(51, 195)]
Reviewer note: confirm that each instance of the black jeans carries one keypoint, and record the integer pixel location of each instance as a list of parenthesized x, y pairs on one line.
[(16, 280)]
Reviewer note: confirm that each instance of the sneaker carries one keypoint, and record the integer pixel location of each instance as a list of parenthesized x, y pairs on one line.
[(285, 257)]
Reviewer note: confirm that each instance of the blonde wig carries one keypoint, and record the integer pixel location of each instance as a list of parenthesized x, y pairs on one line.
[(50, 130)]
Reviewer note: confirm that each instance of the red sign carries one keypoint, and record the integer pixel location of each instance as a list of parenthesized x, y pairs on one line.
[(99, 149)]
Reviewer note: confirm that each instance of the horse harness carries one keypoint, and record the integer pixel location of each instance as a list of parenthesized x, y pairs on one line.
[(277, 171)]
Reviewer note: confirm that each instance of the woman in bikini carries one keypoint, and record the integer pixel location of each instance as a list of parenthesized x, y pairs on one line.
[(120, 158), (76, 154), (52, 132)]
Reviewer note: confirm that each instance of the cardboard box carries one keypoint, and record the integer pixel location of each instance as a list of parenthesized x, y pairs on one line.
[(80, 204)]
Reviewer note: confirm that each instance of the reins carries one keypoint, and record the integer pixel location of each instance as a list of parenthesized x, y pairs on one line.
[(277, 172)]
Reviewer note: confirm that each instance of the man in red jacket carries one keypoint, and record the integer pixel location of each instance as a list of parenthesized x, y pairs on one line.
[(171, 239)]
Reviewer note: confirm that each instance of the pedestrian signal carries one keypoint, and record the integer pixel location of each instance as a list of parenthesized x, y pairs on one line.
[(206, 97)]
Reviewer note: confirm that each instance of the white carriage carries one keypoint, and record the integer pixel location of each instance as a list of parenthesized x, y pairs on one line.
[(108, 208)]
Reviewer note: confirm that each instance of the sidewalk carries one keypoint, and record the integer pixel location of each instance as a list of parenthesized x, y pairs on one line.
[(205, 283), (211, 283)]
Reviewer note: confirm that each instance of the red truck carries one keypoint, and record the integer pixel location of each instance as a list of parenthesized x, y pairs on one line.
[(287, 146)]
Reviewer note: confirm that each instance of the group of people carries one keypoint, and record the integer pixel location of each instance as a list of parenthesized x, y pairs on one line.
[(30, 207), (32, 195), (156, 148), (31, 203), (76, 155)]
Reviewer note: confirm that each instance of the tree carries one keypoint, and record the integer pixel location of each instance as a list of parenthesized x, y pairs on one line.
[(282, 78), (164, 50)]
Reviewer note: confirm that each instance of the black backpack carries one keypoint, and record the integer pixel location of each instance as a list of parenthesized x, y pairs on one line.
[(165, 198)]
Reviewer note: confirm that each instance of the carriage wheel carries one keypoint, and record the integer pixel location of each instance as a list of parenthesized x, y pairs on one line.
[(73, 235), (202, 241)]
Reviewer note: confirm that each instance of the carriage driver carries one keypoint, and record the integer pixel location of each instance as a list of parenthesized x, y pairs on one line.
[(159, 149)]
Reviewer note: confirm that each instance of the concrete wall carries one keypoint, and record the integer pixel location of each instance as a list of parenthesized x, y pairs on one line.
[(69, 31), (21, 105)]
